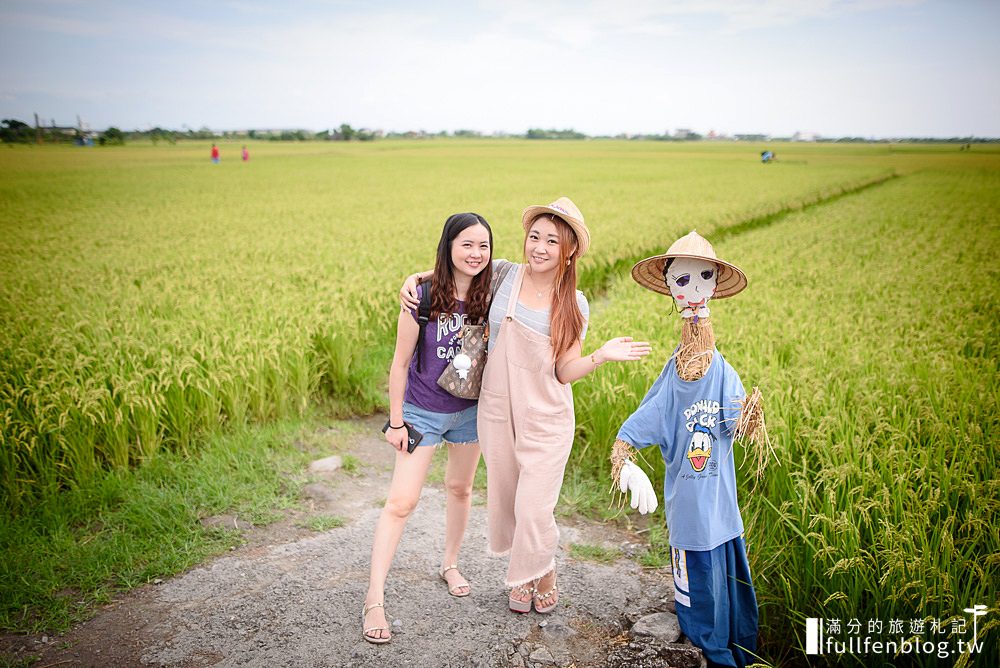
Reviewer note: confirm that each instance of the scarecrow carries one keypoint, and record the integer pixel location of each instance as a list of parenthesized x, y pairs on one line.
[(694, 412)]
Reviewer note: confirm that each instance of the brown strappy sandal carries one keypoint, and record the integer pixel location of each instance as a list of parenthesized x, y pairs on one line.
[(365, 631), (540, 600), (451, 590)]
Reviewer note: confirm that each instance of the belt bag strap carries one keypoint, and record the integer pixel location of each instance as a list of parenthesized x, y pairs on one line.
[(512, 304)]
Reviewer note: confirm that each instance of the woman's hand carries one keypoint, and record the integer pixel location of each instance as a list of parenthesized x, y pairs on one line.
[(572, 367), (397, 437), (621, 349), (408, 293)]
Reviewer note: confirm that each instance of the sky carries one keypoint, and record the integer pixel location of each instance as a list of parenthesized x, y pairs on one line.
[(878, 68)]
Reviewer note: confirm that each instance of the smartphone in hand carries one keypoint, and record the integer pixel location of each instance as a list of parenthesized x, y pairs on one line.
[(413, 437)]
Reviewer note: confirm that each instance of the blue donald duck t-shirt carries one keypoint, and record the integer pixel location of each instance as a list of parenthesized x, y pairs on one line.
[(692, 422)]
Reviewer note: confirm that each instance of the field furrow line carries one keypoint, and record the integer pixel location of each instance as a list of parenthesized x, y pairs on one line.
[(595, 279)]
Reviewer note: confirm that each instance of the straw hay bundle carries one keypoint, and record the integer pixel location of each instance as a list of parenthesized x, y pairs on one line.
[(752, 431), (621, 452), (694, 355)]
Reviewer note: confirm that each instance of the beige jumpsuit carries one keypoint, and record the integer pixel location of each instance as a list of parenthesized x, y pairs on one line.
[(526, 426)]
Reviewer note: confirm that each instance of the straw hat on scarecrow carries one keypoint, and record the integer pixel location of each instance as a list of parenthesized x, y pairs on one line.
[(649, 273)]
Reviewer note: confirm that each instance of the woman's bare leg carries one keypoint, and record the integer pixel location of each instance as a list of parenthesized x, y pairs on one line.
[(408, 476), (463, 459)]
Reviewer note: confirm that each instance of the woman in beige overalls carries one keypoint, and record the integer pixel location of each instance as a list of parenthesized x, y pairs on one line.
[(526, 421)]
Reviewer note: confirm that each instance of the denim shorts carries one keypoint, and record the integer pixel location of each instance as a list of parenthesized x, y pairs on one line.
[(457, 427)]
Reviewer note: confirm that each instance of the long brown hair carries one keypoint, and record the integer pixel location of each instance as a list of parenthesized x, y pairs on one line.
[(477, 302), (566, 321)]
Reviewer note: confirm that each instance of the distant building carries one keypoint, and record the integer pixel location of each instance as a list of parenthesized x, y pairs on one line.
[(752, 137), (805, 136), (682, 133)]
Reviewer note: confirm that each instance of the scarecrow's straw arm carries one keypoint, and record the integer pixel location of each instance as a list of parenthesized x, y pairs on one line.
[(752, 431), (621, 452)]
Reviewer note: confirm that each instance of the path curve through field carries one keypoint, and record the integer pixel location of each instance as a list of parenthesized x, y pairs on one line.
[(293, 598)]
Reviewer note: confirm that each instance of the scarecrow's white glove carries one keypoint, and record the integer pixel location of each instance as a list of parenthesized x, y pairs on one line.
[(634, 479)]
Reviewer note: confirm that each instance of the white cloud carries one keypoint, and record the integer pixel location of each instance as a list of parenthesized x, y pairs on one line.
[(577, 23), (27, 21), (598, 66)]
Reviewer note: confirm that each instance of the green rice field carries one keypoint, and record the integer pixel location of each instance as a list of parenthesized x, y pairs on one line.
[(150, 298)]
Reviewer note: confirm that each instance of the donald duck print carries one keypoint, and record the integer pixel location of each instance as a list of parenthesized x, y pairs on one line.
[(700, 448), (700, 419)]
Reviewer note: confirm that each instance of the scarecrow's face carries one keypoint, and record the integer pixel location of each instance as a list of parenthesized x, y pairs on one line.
[(692, 283)]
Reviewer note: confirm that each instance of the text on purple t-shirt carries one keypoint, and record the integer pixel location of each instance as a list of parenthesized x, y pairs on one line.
[(441, 344)]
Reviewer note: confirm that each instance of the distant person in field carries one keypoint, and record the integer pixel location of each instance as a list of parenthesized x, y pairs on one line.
[(245, 153), (766, 156), (695, 411), (215, 154), (459, 293), (538, 320)]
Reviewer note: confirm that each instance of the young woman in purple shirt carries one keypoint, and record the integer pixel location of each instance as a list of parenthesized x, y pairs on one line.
[(461, 292)]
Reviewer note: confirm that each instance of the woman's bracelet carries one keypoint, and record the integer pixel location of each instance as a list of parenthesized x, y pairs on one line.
[(395, 427), (593, 360)]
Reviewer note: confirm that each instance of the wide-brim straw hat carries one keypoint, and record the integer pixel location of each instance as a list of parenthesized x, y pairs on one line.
[(565, 209), (649, 272)]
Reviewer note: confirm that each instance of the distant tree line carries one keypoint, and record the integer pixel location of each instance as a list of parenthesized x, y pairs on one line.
[(690, 136), (13, 131), (346, 133), (538, 133)]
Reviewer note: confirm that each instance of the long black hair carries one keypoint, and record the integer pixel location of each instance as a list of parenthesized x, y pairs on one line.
[(477, 302)]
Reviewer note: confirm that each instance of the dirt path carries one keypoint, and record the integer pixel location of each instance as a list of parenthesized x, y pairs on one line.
[(292, 597)]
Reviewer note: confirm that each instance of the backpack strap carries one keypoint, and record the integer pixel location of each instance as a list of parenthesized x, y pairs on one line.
[(423, 317)]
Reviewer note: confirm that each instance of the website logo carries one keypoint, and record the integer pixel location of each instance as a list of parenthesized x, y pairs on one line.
[(898, 637)]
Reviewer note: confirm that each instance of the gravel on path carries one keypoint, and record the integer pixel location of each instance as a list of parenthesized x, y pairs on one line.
[(298, 602)]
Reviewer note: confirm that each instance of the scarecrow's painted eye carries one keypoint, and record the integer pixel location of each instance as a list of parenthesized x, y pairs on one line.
[(683, 280), (707, 274)]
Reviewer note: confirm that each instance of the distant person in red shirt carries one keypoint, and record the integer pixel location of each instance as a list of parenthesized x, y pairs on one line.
[(215, 154), (246, 154)]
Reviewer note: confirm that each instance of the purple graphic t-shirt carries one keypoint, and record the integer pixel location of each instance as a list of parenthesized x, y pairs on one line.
[(441, 344)]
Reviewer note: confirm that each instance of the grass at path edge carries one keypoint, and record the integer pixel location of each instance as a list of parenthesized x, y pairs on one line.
[(129, 527)]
